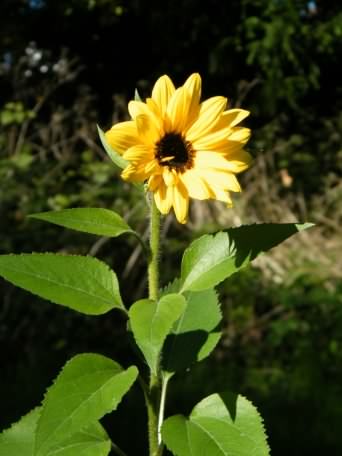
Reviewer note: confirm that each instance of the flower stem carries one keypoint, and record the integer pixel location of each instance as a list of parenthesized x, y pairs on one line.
[(152, 413), (153, 272), (153, 395)]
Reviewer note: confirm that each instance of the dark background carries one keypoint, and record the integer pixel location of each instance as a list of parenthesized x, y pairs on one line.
[(67, 65)]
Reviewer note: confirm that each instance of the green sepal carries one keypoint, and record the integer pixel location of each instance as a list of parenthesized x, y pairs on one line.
[(137, 96), (113, 155)]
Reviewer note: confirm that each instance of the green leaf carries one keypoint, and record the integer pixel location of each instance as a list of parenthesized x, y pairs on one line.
[(82, 283), (222, 424), (91, 441), (113, 155), (102, 222), (19, 438), (195, 333), (212, 258), (152, 321), (88, 387)]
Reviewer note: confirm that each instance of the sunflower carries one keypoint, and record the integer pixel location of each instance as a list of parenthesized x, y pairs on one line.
[(181, 147)]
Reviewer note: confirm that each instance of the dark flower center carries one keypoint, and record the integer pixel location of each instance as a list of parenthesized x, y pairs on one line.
[(174, 151)]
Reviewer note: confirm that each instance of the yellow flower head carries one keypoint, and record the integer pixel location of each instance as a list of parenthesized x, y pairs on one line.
[(182, 148)]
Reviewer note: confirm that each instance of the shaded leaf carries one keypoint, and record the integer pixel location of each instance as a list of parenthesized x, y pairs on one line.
[(152, 321), (195, 333), (222, 424), (88, 387), (212, 258), (82, 283), (100, 221)]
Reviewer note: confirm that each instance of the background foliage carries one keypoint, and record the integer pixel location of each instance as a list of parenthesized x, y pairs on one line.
[(67, 65)]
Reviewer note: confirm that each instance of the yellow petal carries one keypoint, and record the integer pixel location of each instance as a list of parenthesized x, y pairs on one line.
[(152, 105), (229, 148), (139, 172), (163, 198), (232, 117), (222, 195), (151, 167), (155, 182), (180, 202), (220, 179), (195, 185), (240, 158), (225, 129), (212, 141), (138, 108), (147, 130), (122, 136), (170, 176), (193, 85), (130, 173), (162, 92), (213, 160), (209, 115), (240, 134), (177, 110), (138, 153)]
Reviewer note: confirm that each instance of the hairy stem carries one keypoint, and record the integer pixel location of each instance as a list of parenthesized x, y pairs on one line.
[(153, 272), (153, 395), (152, 412)]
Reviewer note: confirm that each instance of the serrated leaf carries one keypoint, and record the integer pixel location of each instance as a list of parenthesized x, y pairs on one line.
[(82, 283), (19, 438), (195, 333), (91, 441), (113, 155), (100, 221), (88, 387), (212, 258), (152, 321), (171, 287), (222, 424)]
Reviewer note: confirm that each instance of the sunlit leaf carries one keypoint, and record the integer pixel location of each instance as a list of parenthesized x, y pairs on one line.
[(220, 425), (88, 387), (19, 438), (91, 441), (212, 258), (100, 221), (82, 283), (151, 321)]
